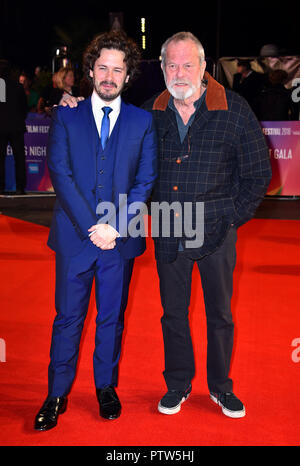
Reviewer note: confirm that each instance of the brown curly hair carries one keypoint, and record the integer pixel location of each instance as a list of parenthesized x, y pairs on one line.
[(112, 40)]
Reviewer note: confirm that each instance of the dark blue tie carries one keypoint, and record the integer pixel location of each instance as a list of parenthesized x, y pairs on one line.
[(105, 126)]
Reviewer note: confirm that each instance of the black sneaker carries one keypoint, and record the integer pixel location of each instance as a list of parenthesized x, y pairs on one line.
[(230, 404), (171, 402)]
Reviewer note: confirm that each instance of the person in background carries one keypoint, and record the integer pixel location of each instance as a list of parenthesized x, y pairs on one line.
[(64, 79), (13, 111), (43, 105), (31, 94), (275, 103), (247, 82)]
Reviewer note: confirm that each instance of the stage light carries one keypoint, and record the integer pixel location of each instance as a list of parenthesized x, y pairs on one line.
[(143, 31)]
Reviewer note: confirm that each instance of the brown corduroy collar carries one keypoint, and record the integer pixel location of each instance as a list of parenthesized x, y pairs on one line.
[(215, 96)]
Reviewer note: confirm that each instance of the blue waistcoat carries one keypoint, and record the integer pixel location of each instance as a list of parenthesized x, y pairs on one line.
[(105, 161)]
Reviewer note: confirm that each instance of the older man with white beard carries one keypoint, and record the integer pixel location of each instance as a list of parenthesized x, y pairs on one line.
[(211, 150)]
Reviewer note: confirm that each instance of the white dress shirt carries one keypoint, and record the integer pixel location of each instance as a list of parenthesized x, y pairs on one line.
[(98, 103)]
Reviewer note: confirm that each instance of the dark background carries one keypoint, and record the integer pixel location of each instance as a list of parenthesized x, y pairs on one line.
[(30, 31)]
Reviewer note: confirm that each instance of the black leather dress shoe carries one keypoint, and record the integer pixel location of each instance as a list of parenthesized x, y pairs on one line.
[(110, 406), (47, 416)]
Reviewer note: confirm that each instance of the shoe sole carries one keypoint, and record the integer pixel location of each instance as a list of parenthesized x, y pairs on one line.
[(227, 412), (174, 410), (110, 417)]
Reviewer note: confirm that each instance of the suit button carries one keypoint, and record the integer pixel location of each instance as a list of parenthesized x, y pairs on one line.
[(175, 188), (101, 172)]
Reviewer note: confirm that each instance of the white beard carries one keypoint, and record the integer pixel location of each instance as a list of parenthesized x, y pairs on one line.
[(184, 93)]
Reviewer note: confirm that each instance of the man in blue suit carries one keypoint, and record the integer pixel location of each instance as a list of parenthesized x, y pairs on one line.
[(101, 153)]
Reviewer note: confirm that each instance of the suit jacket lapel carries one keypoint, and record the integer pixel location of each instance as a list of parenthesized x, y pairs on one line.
[(90, 125), (118, 149), (120, 138)]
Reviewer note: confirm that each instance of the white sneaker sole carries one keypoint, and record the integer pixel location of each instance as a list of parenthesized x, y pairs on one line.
[(176, 409), (227, 412)]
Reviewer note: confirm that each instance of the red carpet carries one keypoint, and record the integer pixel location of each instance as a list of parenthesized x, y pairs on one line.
[(265, 373)]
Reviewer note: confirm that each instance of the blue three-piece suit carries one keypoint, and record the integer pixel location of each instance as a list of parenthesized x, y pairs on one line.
[(84, 175)]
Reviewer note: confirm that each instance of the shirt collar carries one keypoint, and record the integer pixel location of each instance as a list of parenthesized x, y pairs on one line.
[(98, 103)]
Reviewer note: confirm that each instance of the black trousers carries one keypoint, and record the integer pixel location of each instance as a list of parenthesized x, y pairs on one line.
[(16, 140), (216, 271)]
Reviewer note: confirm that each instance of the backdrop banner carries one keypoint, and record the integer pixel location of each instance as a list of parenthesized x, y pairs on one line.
[(283, 139), (284, 148), (35, 141)]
